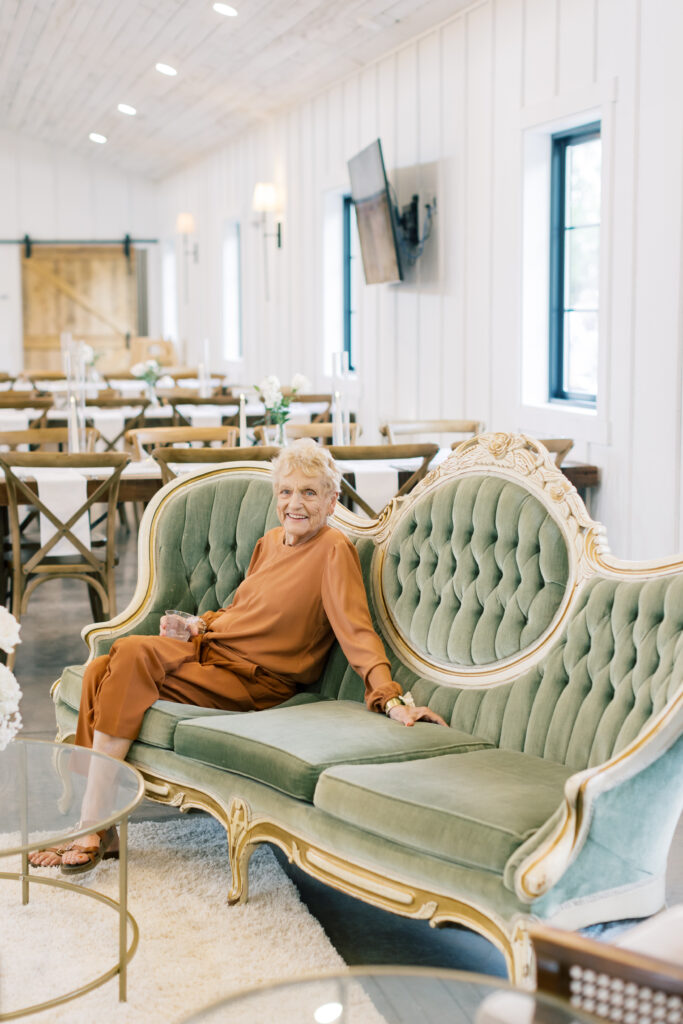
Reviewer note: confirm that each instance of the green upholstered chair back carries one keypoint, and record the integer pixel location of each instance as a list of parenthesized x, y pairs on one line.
[(203, 542), (475, 573)]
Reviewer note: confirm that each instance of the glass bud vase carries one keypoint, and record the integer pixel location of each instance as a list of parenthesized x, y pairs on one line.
[(280, 435), (152, 396)]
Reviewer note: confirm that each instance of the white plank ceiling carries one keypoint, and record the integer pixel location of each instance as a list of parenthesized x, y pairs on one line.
[(65, 65)]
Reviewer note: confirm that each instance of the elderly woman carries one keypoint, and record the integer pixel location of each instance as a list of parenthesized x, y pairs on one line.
[(303, 588)]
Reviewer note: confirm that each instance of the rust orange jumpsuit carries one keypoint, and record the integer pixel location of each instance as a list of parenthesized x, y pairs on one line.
[(273, 639)]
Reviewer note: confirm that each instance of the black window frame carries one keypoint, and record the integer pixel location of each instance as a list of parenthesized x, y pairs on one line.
[(561, 142), (347, 262)]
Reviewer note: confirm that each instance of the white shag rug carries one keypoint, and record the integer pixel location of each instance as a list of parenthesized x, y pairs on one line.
[(194, 949)]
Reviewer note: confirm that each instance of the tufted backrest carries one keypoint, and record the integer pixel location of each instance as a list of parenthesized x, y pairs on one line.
[(476, 572), (204, 541), (617, 662)]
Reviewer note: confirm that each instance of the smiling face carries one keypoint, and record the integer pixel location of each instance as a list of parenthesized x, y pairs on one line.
[(303, 505)]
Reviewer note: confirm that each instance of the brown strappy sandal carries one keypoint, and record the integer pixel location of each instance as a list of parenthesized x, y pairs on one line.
[(94, 853)]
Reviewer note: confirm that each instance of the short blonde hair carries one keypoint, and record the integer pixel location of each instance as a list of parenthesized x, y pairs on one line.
[(311, 459)]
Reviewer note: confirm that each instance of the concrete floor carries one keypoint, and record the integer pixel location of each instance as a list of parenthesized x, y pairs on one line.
[(363, 935)]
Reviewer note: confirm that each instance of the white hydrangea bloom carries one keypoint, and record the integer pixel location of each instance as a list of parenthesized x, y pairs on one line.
[(9, 631), (88, 353), (270, 391), (138, 369), (10, 693), (300, 382)]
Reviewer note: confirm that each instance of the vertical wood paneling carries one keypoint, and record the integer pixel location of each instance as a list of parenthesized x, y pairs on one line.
[(658, 261), (576, 44), (479, 185), (506, 220), (427, 268), (36, 191), (617, 54), (386, 297), (366, 317), (540, 50), (452, 216), (404, 174)]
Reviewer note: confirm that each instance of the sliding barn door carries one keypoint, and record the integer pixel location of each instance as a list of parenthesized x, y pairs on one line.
[(90, 291)]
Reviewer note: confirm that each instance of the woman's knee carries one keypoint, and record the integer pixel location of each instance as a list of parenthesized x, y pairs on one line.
[(133, 645)]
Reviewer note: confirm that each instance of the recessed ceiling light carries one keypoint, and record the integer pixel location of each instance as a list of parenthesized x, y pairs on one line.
[(125, 108), (225, 9), (166, 69), (96, 137)]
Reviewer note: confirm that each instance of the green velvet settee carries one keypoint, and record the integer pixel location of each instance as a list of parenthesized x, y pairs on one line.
[(557, 788)]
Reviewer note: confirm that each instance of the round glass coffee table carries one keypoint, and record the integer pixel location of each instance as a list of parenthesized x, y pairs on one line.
[(42, 786), (389, 995)]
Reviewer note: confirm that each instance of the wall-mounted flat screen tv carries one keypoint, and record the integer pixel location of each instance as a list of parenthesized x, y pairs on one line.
[(375, 216)]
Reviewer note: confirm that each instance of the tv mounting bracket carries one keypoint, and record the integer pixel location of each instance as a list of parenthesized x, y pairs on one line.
[(412, 245)]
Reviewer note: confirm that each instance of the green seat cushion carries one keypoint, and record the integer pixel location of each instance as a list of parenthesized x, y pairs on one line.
[(288, 748), (160, 721), (474, 808)]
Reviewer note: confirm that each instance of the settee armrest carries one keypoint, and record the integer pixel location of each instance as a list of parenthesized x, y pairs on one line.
[(539, 863)]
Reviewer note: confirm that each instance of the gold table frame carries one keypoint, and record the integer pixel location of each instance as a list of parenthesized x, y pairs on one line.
[(126, 952)]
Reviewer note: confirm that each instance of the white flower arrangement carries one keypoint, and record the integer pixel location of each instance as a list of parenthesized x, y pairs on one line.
[(10, 692), (277, 404), (149, 371), (90, 356)]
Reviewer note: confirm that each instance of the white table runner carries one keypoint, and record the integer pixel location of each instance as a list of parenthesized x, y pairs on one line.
[(109, 422), (206, 415), (14, 419), (63, 491), (376, 480)]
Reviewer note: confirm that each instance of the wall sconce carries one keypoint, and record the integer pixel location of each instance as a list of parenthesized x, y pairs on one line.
[(266, 201), (185, 226)]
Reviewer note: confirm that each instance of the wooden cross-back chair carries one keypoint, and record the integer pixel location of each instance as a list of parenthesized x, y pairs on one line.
[(45, 438), (319, 431), (135, 418), (560, 447), (313, 399), (186, 396), (342, 453), (600, 978), (24, 400), (144, 439), (170, 457), (396, 429), (32, 565)]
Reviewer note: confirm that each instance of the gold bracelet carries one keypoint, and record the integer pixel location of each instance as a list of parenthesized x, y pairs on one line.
[(393, 702)]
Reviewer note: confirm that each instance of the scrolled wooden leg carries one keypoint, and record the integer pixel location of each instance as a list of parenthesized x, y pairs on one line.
[(239, 851)]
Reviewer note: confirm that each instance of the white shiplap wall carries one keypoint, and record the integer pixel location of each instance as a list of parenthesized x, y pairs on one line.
[(48, 193), (449, 109)]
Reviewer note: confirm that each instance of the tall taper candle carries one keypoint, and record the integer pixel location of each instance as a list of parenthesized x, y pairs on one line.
[(337, 422), (72, 421), (243, 422)]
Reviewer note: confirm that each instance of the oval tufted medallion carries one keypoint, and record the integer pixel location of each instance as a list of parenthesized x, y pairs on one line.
[(475, 572)]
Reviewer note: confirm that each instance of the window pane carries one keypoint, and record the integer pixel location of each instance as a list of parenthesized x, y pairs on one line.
[(582, 268), (581, 353), (583, 183)]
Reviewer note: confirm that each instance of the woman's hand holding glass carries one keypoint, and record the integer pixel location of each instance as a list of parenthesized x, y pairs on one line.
[(181, 625)]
